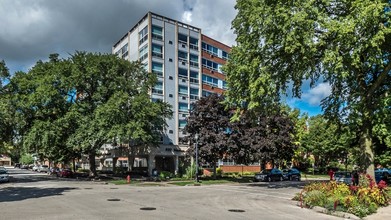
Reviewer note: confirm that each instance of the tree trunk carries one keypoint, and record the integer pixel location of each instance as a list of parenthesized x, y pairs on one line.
[(214, 171), (131, 156), (91, 158), (367, 153)]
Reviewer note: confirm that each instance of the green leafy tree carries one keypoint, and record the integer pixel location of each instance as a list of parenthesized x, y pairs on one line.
[(327, 142), (26, 159), (345, 43), (112, 104)]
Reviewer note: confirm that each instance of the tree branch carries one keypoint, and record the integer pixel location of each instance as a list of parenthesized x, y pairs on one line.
[(379, 80)]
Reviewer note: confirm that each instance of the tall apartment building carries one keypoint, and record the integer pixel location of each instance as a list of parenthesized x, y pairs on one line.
[(188, 66)]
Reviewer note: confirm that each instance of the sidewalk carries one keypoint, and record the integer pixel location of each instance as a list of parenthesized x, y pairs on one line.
[(382, 213)]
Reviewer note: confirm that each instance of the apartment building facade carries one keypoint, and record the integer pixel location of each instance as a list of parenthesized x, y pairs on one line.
[(188, 66)]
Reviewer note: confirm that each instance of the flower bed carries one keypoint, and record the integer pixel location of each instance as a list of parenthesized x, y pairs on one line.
[(360, 200)]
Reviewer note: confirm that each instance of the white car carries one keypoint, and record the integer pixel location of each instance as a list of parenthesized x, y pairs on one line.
[(4, 177), (35, 168), (43, 168)]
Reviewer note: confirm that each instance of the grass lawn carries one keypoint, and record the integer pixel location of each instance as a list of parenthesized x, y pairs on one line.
[(202, 182), (313, 176)]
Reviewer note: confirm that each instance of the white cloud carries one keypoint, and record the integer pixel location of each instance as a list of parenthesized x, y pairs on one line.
[(186, 17), (214, 18), (315, 95)]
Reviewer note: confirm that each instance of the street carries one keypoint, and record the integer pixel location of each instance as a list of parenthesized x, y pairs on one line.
[(38, 196)]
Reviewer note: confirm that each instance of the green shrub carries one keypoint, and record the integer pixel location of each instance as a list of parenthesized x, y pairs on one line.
[(315, 198), (165, 175), (219, 171)]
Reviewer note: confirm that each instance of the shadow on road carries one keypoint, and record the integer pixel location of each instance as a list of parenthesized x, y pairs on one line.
[(284, 184), (11, 194)]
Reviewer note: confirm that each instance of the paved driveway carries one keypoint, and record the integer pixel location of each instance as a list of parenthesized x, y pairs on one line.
[(38, 197)]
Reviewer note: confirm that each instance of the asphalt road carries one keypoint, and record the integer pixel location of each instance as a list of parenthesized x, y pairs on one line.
[(37, 196)]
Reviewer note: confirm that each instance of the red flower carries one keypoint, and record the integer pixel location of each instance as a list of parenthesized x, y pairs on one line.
[(353, 188), (382, 185)]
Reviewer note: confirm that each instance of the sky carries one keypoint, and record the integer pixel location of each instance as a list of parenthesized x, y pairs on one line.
[(31, 30)]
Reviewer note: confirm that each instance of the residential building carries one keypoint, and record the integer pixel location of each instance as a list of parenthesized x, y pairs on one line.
[(188, 66)]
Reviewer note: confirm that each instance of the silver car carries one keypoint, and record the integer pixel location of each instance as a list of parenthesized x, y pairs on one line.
[(343, 177), (4, 177), (43, 168)]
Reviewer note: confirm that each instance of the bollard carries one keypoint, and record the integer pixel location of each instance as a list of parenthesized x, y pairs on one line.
[(128, 179)]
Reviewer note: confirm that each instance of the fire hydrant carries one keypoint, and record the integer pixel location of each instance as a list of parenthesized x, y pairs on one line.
[(128, 179)]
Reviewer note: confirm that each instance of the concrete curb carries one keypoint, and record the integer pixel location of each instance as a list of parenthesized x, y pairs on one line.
[(333, 213)]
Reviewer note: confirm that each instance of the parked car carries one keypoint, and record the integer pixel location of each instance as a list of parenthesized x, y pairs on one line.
[(343, 177), (382, 174), (291, 174), (35, 168), (24, 166), (4, 177), (54, 171), (3, 168), (17, 165), (269, 175), (65, 173), (43, 168)]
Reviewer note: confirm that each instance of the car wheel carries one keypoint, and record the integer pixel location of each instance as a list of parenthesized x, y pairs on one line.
[(281, 179), (298, 179), (269, 179)]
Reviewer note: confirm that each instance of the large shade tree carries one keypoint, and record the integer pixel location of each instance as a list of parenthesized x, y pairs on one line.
[(112, 103), (344, 43), (262, 138), (210, 121), (65, 107)]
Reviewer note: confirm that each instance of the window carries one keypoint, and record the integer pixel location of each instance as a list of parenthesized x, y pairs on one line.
[(157, 33), (225, 55), (210, 64), (157, 68), (124, 51), (158, 88), (182, 107), (182, 90), (169, 42), (143, 35), (194, 77), (182, 56), (206, 93), (182, 38), (193, 94), (194, 60), (210, 80), (210, 49), (193, 43), (143, 52), (156, 100), (157, 51), (182, 123), (182, 72), (170, 77)]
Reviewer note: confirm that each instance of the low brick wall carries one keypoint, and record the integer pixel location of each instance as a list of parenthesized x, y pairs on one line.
[(240, 168)]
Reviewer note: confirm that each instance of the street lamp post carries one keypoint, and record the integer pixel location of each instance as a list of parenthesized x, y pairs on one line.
[(196, 156)]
